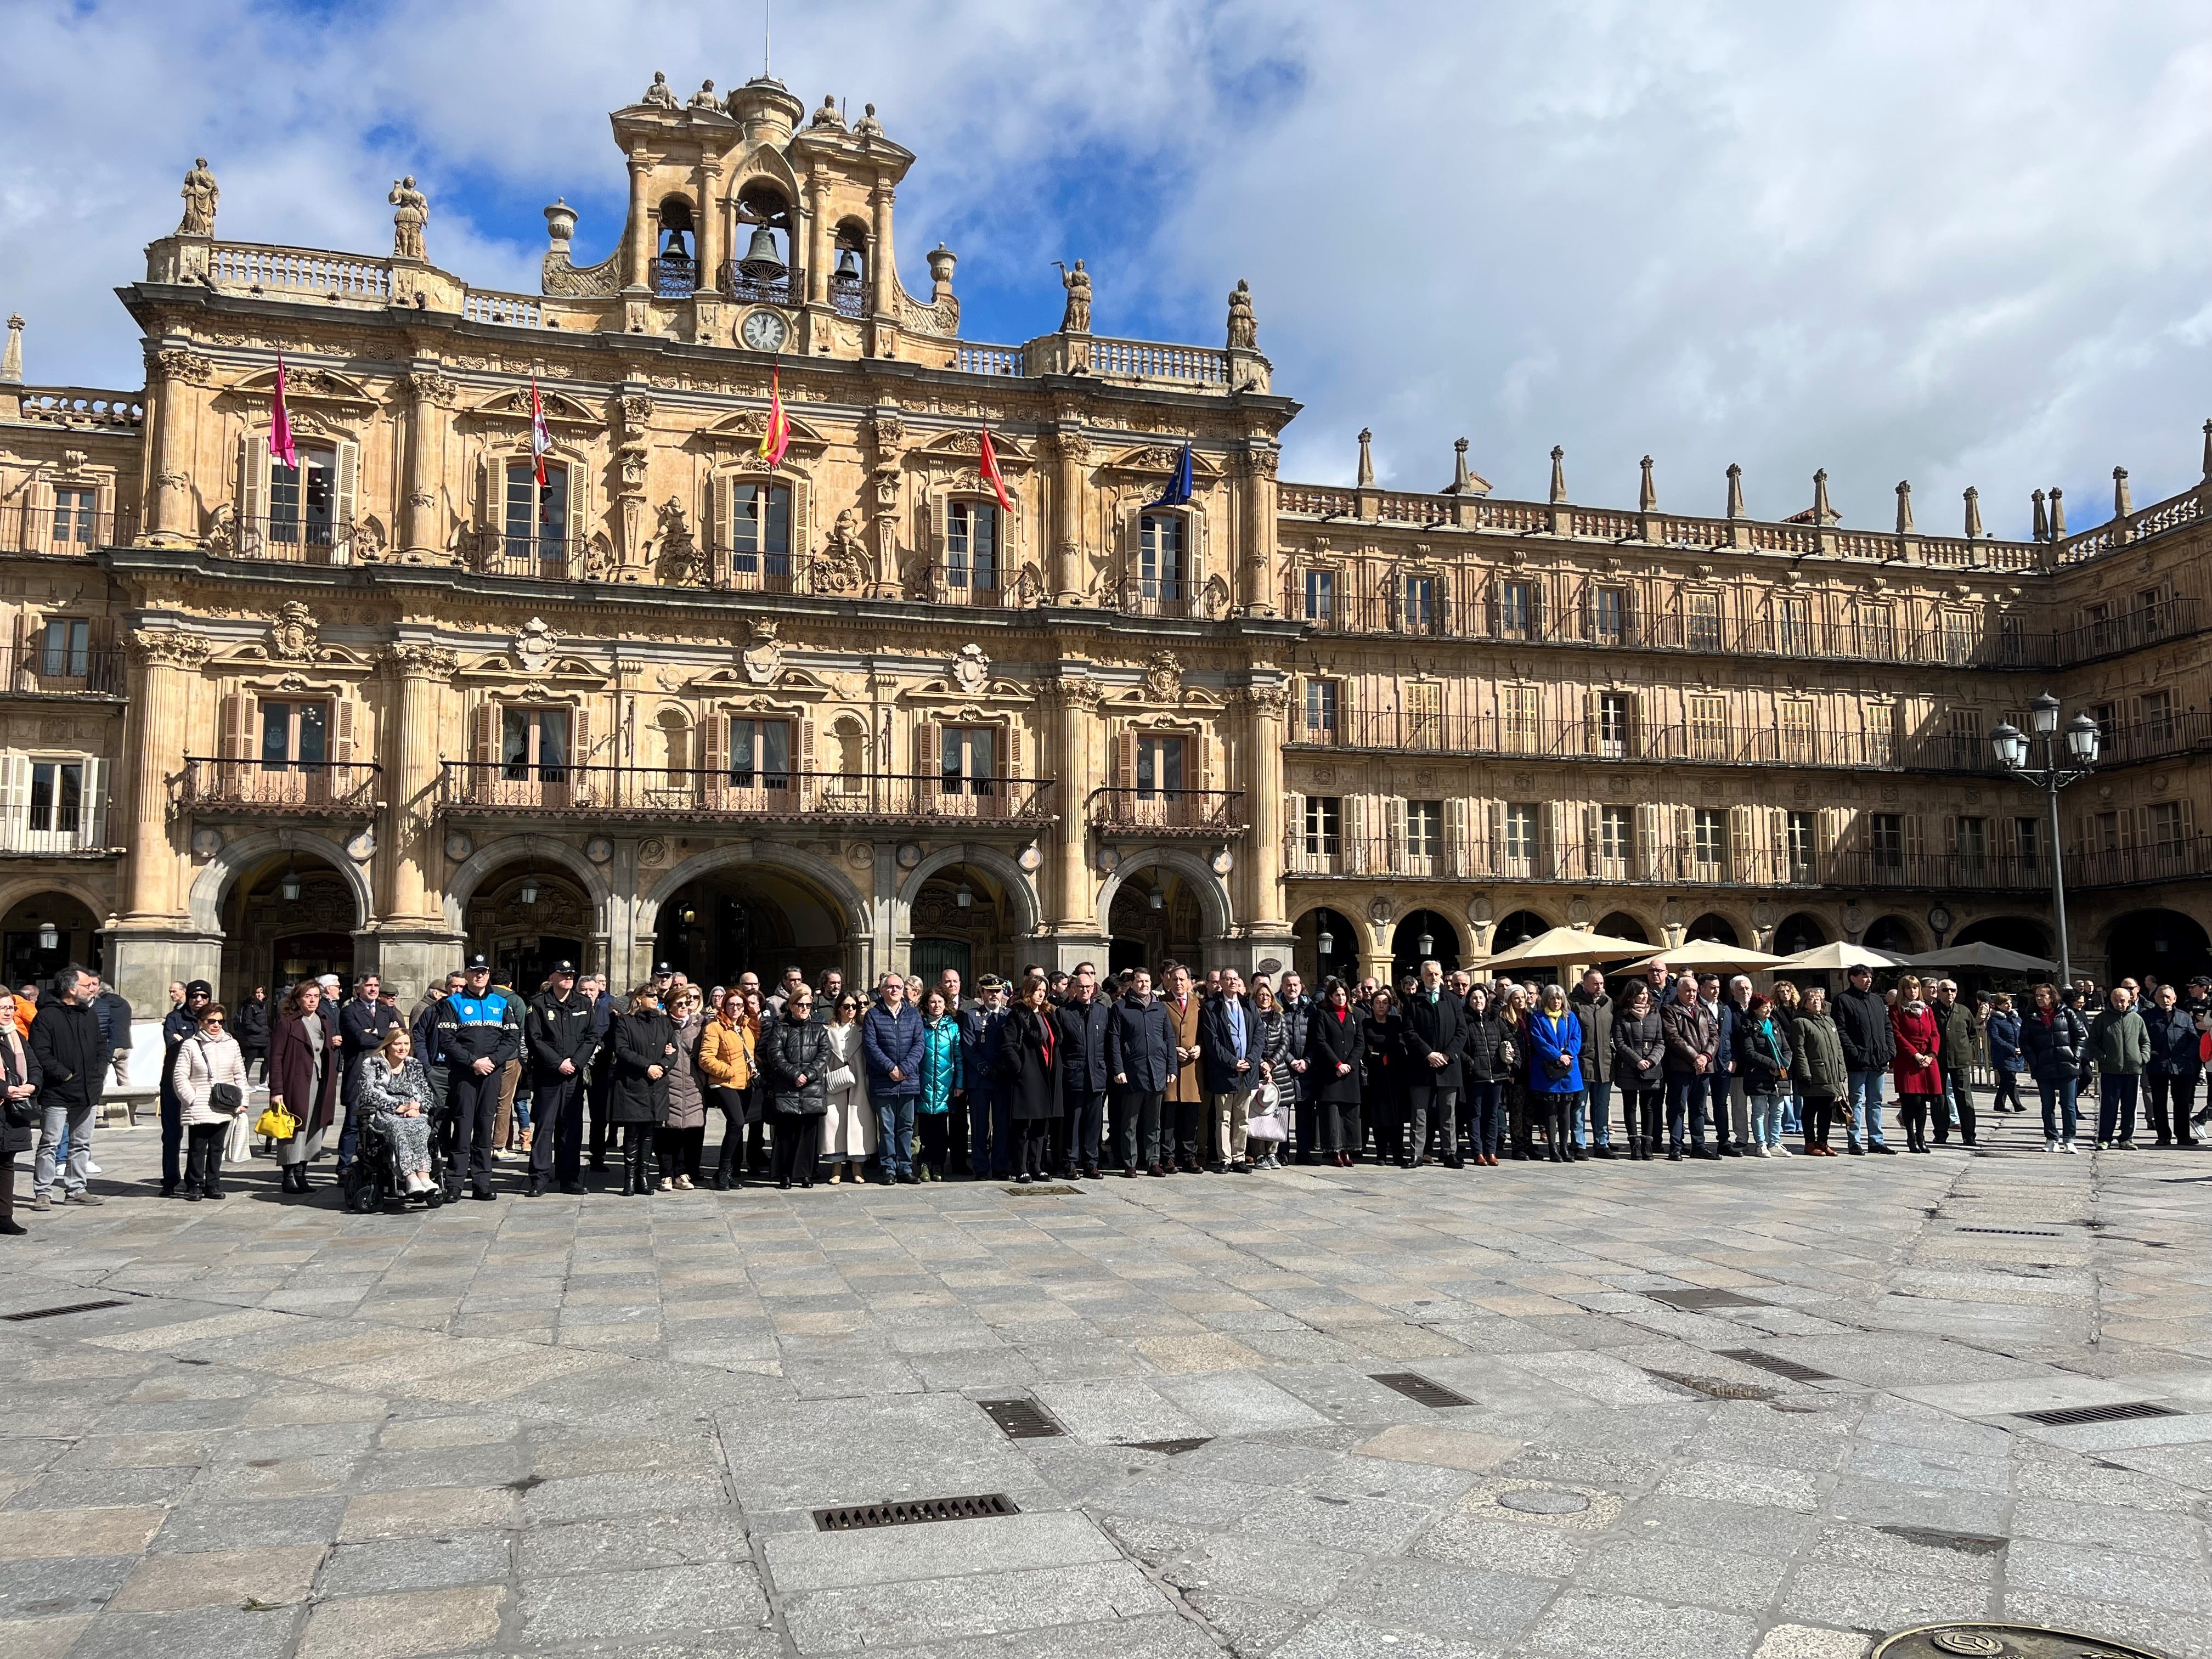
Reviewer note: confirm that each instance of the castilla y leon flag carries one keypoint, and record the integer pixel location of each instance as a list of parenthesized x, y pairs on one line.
[(280, 424), (987, 464), (541, 435), (775, 436)]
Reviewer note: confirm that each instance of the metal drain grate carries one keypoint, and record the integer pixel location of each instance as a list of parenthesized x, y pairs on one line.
[(913, 1512), (1420, 1390), (56, 1313), (2067, 1416), (2012, 1232), (1711, 1387), (1172, 1447), (1767, 1362), (1057, 1189), (1021, 1419), (1697, 1299)]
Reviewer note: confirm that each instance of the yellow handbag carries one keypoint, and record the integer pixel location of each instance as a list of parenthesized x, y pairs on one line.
[(276, 1123)]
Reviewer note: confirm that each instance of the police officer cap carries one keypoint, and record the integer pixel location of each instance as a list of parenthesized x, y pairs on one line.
[(564, 966), (476, 964), (662, 971)]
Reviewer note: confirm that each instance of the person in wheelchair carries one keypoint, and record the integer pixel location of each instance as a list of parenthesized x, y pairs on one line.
[(397, 1103)]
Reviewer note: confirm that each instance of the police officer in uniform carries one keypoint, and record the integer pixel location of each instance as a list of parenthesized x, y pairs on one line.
[(561, 1031), (480, 1029)]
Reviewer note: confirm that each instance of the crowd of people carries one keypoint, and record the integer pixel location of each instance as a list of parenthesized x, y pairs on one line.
[(1071, 1076)]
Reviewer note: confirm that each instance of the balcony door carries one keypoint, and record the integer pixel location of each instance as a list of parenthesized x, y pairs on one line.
[(295, 752), (303, 504), (51, 803), (971, 552)]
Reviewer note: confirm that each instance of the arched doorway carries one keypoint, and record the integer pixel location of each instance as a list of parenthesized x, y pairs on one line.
[(1421, 935), (1621, 925), (1893, 934), (1328, 947), (962, 919), (2029, 938), (2165, 942), (755, 917), (44, 934), (1798, 932), (1713, 928), (1518, 928), (1155, 917), (525, 921), (291, 916)]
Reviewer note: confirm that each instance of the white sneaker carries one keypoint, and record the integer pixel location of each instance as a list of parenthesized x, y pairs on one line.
[(90, 1168), (1761, 1152), (2049, 1145), (2068, 1149), (1783, 1151)]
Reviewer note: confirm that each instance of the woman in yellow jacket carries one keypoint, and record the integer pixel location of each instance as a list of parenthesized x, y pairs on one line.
[(727, 1058)]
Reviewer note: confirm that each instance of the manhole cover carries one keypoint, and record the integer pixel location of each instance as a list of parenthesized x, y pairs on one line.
[(1541, 1500), (2005, 1642)]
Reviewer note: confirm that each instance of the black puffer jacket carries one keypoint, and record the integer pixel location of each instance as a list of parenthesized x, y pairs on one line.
[(1861, 1020), (1638, 1038), (643, 1038), (1492, 1051), (790, 1052)]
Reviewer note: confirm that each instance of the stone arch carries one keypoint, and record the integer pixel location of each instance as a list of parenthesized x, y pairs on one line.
[(1715, 924), (219, 872), (1021, 892), (1628, 924), (462, 885), (13, 893), (1212, 893), (831, 882)]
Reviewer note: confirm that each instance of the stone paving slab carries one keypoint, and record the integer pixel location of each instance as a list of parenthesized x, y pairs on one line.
[(601, 1426)]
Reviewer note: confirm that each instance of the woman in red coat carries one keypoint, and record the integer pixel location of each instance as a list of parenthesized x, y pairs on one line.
[(1919, 1084)]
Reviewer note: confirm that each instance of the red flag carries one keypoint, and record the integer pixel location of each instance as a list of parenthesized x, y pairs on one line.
[(541, 435), (986, 460), (280, 424)]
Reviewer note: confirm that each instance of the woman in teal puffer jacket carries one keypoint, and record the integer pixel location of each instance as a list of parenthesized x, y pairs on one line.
[(941, 1082)]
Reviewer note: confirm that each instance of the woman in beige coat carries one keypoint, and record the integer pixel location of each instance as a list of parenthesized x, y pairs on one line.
[(683, 1131), (209, 1058), (848, 1133)]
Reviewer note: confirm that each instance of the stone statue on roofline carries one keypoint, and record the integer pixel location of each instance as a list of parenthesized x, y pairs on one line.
[(659, 93), (411, 212), (1243, 326), (201, 193), (706, 97), (1075, 319)]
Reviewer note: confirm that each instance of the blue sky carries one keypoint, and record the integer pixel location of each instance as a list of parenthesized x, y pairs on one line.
[(1963, 244)]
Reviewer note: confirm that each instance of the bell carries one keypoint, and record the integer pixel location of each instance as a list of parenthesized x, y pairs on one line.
[(849, 266), (761, 262), (677, 248)]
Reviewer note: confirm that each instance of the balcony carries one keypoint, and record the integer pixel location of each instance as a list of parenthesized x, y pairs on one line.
[(1633, 741), (2149, 624), (58, 531), (735, 285), (55, 829), (979, 585), (284, 541), (1152, 596), (1472, 859), (600, 794), (1209, 814), (2181, 859), (39, 670), (675, 278), (257, 788)]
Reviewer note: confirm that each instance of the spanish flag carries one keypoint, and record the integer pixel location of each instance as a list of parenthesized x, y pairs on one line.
[(776, 437)]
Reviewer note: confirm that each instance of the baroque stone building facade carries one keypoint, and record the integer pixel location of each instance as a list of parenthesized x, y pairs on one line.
[(673, 700)]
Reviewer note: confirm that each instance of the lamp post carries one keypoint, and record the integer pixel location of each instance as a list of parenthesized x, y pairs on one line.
[(2060, 767)]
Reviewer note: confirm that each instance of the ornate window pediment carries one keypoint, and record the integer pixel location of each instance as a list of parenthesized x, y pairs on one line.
[(961, 448), (569, 673), (561, 410), (741, 430), (734, 693), (307, 388), (1160, 460)]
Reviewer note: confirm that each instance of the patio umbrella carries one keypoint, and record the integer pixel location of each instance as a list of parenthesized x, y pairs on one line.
[(1840, 957), (1991, 958), (1708, 953), (1558, 945)]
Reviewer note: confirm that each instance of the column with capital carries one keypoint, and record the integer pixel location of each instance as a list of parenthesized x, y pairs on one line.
[(1064, 566), (430, 396), (413, 943), (1260, 709), (1256, 531), (883, 274), (638, 278), (172, 374), (706, 228)]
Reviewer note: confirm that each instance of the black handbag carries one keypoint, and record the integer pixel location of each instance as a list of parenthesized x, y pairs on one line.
[(24, 1113), (225, 1097)]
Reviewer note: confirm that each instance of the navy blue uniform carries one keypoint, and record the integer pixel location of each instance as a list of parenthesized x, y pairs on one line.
[(471, 1028)]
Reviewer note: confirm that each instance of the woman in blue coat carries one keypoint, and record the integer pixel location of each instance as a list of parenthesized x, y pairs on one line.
[(2006, 1058), (1555, 1069)]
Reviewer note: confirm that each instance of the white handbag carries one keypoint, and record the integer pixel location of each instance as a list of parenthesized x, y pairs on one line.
[(238, 1145)]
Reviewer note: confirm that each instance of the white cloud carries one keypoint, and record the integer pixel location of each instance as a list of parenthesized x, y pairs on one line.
[(1962, 245)]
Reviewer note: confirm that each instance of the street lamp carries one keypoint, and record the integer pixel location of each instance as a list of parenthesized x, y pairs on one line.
[(2013, 749)]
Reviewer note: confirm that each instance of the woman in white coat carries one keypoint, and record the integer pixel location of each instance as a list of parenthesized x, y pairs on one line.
[(210, 1083), (849, 1133)]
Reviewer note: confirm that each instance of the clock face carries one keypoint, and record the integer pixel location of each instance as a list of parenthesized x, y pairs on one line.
[(764, 331)]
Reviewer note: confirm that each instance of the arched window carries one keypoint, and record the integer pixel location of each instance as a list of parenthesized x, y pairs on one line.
[(848, 280), (675, 270), (760, 536), (971, 548), (850, 740), (675, 739)]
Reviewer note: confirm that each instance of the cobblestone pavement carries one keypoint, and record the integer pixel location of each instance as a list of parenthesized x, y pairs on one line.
[(602, 1425)]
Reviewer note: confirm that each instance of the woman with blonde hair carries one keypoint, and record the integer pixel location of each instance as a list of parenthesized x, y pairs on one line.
[(396, 1098)]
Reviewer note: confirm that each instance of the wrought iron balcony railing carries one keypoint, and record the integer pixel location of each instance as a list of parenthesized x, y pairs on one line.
[(1208, 812), (54, 829), (595, 794), (1632, 741), (41, 671), (281, 788), (58, 529)]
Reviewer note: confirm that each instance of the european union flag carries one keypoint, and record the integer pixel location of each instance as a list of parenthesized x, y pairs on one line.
[(1177, 494)]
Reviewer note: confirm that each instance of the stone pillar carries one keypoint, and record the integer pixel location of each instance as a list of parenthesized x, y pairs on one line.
[(1071, 706), (886, 430), (1259, 582), (1064, 562), (1261, 739), (421, 533), (168, 664), (706, 226), (638, 277), (172, 518), (883, 275), (819, 260)]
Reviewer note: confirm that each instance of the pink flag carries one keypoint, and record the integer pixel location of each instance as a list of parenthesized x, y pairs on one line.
[(280, 425)]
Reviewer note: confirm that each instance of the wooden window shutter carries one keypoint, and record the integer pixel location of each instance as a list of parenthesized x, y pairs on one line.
[(15, 798), (1914, 842), (253, 485), (1742, 837), (580, 738), (1394, 831), (1204, 768), (491, 492), (1951, 832), (928, 754), (1294, 816), (25, 662), (93, 832), (1356, 857), (236, 731), (483, 738), (1549, 831), (578, 519), (1495, 811), (347, 491), (1456, 835), (802, 760), (713, 754), (1124, 761), (341, 733)]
